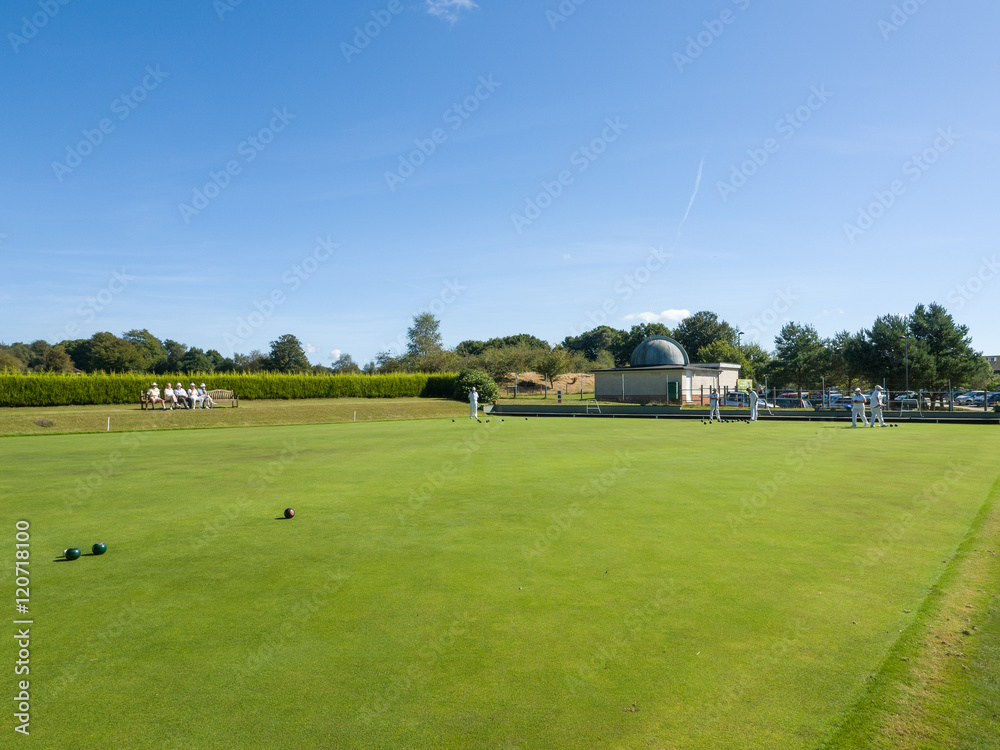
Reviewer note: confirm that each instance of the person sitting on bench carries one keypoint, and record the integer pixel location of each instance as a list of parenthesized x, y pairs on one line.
[(153, 394)]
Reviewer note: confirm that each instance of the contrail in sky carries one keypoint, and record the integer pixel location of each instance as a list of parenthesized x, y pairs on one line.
[(697, 185)]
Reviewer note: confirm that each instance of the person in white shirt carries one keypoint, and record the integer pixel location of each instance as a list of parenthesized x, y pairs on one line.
[(194, 397), (754, 398), (877, 403), (182, 396), (858, 407), (169, 397), (473, 404), (209, 403), (154, 395), (713, 406)]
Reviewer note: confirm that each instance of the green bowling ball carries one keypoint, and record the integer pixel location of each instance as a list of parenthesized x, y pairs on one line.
[(100, 548), (73, 553)]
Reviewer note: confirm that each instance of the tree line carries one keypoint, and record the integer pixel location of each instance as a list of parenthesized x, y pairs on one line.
[(926, 348)]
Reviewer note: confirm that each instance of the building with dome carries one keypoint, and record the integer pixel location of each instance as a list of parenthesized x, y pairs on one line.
[(661, 371)]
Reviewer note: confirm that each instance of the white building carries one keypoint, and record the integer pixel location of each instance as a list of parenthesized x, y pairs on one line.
[(661, 371)]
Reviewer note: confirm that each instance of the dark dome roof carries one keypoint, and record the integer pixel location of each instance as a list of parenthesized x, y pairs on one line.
[(659, 350)]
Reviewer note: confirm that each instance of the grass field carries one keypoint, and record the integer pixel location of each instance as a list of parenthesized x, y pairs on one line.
[(560, 583), (62, 419)]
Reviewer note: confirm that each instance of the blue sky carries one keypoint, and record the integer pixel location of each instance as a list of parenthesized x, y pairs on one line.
[(225, 172)]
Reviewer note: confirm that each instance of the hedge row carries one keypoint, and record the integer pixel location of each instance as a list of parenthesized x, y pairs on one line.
[(62, 390)]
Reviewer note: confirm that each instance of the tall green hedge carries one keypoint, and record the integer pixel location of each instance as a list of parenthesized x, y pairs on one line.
[(62, 390)]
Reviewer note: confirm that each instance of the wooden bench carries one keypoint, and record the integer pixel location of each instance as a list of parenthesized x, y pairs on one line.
[(145, 401), (220, 394)]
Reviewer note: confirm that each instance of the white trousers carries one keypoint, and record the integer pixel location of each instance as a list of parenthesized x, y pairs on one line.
[(753, 412), (877, 414), (713, 411), (473, 408), (855, 411)]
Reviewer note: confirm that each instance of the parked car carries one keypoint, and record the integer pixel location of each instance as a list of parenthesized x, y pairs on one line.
[(742, 400), (910, 398), (968, 398), (837, 402)]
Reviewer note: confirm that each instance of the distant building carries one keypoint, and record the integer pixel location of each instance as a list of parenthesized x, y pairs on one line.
[(994, 363), (659, 371)]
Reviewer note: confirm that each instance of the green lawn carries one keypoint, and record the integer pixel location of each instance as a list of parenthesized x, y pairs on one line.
[(521, 584), (61, 419)]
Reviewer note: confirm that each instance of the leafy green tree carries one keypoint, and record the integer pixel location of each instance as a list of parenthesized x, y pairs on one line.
[(255, 361), (39, 349), (79, 351), (840, 371), (483, 383), (423, 337), (345, 365), (470, 348), (719, 351), (195, 360), (175, 352), (591, 342), (217, 359), (520, 339), (754, 362), (701, 329), (110, 353), (228, 364), (948, 344), (800, 356), (500, 363), (552, 364), (287, 355), (57, 360), (888, 351), (10, 363), (146, 341), (21, 352)]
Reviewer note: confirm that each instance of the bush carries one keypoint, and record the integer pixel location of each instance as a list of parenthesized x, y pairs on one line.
[(59, 390), (483, 383)]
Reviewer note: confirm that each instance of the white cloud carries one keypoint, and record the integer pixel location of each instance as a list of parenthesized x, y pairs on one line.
[(335, 353), (567, 256), (310, 349), (667, 316), (448, 9)]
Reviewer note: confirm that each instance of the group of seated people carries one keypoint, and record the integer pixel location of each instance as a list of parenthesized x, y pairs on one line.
[(177, 396)]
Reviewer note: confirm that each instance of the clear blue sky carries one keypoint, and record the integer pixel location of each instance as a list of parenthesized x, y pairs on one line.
[(822, 162)]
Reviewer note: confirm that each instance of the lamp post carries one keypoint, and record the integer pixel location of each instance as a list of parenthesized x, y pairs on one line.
[(906, 361), (739, 346)]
